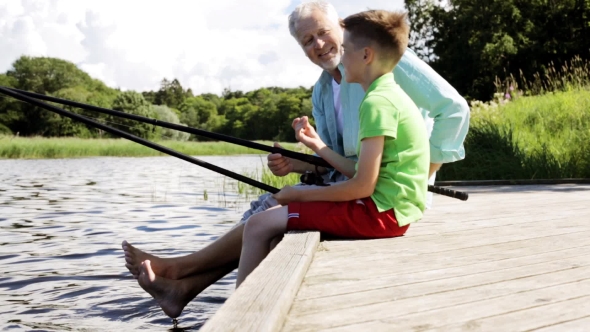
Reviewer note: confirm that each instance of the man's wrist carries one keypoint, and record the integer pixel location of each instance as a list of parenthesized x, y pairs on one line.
[(300, 166)]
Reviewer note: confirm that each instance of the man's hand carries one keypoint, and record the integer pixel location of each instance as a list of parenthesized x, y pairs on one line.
[(287, 195), (279, 165), (306, 134)]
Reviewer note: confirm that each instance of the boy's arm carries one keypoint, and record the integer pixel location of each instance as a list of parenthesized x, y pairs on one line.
[(361, 185), (307, 135)]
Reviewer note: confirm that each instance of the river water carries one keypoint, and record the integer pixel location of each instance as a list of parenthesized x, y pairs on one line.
[(61, 226)]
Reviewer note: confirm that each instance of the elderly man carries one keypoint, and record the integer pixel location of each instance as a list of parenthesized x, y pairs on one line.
[(174, 282)]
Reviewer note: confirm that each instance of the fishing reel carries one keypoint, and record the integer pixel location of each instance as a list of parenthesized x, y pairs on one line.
[(312, 178)]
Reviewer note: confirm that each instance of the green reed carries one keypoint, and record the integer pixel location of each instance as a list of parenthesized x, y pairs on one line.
[(38, 147), (530, 137), (574, 74)]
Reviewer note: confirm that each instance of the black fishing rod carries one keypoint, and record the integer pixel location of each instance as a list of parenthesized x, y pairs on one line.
[(314, 160), (139, 140)]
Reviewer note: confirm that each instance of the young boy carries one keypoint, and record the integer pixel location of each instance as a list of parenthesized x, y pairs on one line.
[(387, 187)]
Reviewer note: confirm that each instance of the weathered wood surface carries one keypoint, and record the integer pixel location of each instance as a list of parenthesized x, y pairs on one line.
[(264, 298), (512, 258)]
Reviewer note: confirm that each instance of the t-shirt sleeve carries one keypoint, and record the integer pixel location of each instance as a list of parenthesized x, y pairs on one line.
[(377, 117)]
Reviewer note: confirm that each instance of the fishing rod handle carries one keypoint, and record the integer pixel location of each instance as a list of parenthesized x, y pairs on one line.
[(448, 192)]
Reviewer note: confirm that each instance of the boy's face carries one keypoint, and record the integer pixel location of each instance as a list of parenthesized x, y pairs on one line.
[(352, 60)]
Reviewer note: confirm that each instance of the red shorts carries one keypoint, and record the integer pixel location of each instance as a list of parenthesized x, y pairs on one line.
[(357, 219)]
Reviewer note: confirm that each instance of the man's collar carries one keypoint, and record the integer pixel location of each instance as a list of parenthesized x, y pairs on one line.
[(327, 77)]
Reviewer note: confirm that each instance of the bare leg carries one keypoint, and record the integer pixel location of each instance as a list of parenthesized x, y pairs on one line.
[(174, 295), (220, 252), (261, 229)]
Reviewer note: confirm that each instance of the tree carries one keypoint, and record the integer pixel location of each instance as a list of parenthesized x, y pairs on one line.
[(57, 125), (289, 107), (474, 41), (212, 98), (133, 103), (265, 113), (234, 109), (49, 76), (421, 27), (8, 107), (46, 75), (197, 112), (164, 113), (170, 94)]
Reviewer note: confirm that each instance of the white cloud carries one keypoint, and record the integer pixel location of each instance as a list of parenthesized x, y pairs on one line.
[(133, 44)]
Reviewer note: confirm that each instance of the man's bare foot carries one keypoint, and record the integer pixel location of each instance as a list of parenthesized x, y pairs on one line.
[(162, 267), (169, 294)]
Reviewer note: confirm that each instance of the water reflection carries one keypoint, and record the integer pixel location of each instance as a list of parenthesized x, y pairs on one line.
[(62, 222)]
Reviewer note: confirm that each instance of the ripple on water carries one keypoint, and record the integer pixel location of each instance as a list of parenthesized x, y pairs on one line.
[(164, 228), (62, 224)]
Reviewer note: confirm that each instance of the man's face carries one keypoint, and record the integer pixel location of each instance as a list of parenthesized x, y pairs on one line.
[(352, 60), (321, 39)]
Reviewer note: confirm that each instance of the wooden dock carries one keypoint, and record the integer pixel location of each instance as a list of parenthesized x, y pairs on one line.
[(511, 258)]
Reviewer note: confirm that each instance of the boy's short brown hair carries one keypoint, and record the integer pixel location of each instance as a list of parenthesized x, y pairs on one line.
[(388, 30)]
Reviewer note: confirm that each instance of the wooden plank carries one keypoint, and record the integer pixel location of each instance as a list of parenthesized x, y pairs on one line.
[(400, 254), (264, 298), (530, 319), (507, 255), (438, 318), (580, 325), (476, 236), (410, 299), (476, 286), (442, 265)]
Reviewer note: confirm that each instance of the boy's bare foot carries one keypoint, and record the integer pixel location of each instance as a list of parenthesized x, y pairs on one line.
[(162, 267), (169, 294)]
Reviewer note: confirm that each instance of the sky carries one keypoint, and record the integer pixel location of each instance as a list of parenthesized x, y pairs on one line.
[(130, 44)]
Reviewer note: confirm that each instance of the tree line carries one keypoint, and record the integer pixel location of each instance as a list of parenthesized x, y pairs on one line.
[(262, 114), (471, 43)]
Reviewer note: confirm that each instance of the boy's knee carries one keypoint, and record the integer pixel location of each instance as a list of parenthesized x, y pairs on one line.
[(254, 226)]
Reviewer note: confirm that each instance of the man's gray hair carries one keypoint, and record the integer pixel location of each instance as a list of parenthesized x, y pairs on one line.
[(306, 8)]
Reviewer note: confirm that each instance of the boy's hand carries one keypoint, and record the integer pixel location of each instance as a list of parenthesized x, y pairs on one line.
[(287, 195), (279, 165), (306, 134)]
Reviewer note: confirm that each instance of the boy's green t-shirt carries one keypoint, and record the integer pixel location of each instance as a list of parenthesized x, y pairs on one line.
[(402, 185)]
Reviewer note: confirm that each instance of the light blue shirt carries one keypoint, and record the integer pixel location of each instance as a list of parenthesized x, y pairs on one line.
[(433, 95)]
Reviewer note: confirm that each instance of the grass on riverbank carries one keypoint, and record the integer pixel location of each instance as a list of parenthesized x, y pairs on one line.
[(39, 147), (532, 137), (261, 174)]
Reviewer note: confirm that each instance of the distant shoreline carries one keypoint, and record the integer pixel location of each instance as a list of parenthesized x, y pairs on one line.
[(56, 148)]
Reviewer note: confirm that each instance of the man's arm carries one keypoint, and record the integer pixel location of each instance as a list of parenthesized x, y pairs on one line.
[(282, 166), (450, 111)]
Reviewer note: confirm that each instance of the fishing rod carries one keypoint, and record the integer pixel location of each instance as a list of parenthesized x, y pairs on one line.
[(139, 140), (314, 160)]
